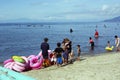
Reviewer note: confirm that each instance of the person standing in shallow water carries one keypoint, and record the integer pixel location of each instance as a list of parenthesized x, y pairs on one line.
[(71, 30), (117, 43), (96, 35), (45, 48), (92, 43)]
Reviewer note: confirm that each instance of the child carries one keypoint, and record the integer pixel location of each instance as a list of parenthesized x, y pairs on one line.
[(79, 52), (108, 44), (92, 43), (58, 52), (53, 58), (108, 47)]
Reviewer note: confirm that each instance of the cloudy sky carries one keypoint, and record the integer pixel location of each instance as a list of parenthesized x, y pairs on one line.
[(59, 10)]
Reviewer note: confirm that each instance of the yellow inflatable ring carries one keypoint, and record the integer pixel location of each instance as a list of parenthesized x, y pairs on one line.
[(109, 48), (18, 59)]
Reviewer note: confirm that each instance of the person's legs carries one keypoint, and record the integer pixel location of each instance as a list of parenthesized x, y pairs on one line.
[(92, 46)]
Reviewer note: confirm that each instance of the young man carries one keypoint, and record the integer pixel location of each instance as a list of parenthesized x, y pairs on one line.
[(45, 48)]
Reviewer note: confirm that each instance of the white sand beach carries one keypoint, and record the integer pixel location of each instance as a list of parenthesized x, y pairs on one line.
[(103, 67)]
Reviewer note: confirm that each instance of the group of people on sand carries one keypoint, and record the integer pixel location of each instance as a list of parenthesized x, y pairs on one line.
[(62, 54)]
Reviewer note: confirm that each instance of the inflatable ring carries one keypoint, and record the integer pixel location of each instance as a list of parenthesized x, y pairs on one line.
[(49, 52), (18, 59), (36, 63), (27, 67), (19, 67), (20, 64), (7, 61), (40, 54), (26, 60), (31, 56), (9, 65), (109, 48)]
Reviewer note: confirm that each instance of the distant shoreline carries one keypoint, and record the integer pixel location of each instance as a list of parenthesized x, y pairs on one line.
[(47, 23)]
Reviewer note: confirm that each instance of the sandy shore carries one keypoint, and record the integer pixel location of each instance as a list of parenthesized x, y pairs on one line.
[(103, 67)]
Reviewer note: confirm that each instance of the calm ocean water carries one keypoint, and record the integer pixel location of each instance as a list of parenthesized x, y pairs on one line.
[(25, 40)]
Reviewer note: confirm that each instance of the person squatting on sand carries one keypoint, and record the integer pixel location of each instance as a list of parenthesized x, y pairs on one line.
[(117, 43)]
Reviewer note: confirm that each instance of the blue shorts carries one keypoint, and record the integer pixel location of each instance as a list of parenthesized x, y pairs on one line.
[(59, 60)]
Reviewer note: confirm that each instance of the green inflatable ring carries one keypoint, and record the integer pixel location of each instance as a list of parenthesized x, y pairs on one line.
[(18, 59)]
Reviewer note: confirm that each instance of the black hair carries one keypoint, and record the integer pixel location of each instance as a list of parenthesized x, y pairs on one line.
[(45, 39), (58, 44), (90, 38), (116, 36), (78, 45)]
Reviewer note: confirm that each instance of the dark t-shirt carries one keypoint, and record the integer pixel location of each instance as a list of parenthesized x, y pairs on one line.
[(45, 48), (58, 52)]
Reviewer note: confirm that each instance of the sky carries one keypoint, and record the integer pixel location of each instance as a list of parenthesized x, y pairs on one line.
[(59, 10)]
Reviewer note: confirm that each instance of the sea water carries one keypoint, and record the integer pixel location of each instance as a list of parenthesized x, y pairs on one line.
[(25, 39)]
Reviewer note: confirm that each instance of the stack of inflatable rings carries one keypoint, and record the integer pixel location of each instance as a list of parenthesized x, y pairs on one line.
[(17, 63)]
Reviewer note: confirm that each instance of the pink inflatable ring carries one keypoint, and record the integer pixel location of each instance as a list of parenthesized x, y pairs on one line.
[(36, 63)]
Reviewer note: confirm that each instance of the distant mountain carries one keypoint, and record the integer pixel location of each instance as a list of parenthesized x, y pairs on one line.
[(116, 19), (21, 20)]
